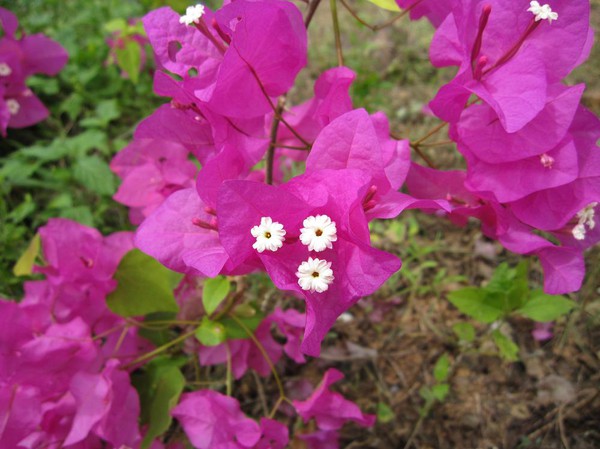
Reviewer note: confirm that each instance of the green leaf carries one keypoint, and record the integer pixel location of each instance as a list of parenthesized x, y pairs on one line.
[(214, 292), (158, 335), (144, 286), (80, 214), (544, 308), (508, 348), (159, 388), (210, 333), (115, 25), (235, 331), (464, 331), (24, 265), (476, 303), (384, 413), (389, 5), (94, 174), (441, 368), (440, 391), (129, 58), (106, 111), (244, 311), (425, 393)]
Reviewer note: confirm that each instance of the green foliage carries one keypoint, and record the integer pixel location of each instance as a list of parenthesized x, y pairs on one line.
[(144, 286), (129, 58), (464, 331), (384, 413), (508, 293), (508, 349), (545, 308), (390, 5), (214, 292), (234, 330), (211, 333), (59, 168), (159, 387), (441, 368), (440, 389), (24, 265)]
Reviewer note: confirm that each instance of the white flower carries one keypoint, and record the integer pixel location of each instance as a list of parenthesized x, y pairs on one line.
[(315, 275), (13, 106), (269, 235), (318, 233), (5, 69), (192, 14), (542, 12), (585, 218)]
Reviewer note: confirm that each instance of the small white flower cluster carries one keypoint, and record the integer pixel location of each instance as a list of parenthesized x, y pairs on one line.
[(192, 14), (5, 69), (318, 233), (542, 12), (269, 235), (585, 218)]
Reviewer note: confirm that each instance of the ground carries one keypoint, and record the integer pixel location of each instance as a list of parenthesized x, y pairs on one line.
[(387, 345)]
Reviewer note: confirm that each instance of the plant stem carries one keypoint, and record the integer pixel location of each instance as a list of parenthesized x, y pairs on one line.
[(273, 140), (432, 132), (263, 351), (314, 4), (423, 156), (336, 31), (228, 381), (381, 26), (292, 147), (160, 349)]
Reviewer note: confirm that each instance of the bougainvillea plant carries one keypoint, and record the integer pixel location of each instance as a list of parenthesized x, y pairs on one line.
[(229, 184), (20, 57)]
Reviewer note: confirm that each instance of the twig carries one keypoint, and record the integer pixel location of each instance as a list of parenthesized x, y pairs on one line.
[(311, 12), (437, 144), (261, 393), (336, 31), (158, 350), (292, 147), (228, 380), (273, 140), (381, 26), (264, 353), (561, 427), (415, 431), (426, 158), (432, 132)]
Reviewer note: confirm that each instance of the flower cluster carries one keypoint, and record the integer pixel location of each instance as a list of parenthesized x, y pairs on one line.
[(212, 420), (19, 59), (530, 147), (63, 381), (310, 233)]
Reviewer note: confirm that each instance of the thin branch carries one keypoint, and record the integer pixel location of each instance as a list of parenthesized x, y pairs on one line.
[(160, 349), (381, 26), (314, 4), (292, 147), (273, 140), (336, 31), (228, 381), (264, 353), (423, 156), (441, 143), (431, 133)]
